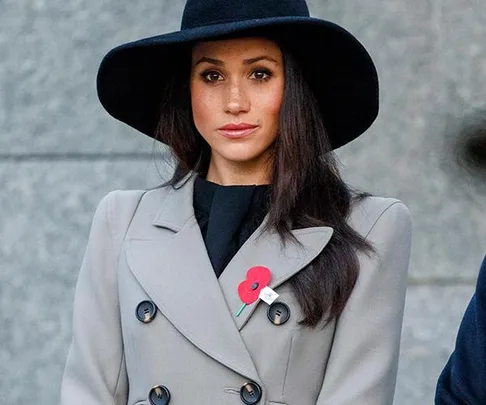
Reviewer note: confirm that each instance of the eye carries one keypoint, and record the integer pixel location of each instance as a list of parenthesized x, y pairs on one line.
[(211, 76), (261, 75)]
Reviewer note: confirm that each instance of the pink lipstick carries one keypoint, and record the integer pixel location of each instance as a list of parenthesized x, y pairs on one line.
[(237, 130)]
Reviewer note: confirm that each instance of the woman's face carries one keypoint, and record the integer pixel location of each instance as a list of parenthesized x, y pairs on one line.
[(237, 88)]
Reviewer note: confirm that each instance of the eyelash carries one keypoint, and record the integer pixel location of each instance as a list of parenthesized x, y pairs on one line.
[(267, 72)]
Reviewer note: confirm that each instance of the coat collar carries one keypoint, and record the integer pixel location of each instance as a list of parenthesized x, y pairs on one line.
[(177, 207), (173, 267)]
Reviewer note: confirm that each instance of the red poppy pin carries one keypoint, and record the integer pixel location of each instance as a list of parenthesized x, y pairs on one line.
[(257, 278)]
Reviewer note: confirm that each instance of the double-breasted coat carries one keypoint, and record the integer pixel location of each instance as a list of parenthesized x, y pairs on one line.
[(186, 345)]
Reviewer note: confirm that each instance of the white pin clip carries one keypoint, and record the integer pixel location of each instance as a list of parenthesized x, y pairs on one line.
[(268, 295)]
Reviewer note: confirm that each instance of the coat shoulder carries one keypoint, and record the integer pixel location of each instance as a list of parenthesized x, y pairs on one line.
[(120, 207), (127, 209), (366, 212), (121, 203)]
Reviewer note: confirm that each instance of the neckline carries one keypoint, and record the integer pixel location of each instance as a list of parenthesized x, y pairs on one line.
[(205, 191), (208, 183)]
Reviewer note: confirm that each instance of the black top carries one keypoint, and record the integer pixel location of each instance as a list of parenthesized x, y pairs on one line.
[(227, 216)]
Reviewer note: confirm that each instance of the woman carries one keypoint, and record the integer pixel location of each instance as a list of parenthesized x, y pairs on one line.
[(254, 275)]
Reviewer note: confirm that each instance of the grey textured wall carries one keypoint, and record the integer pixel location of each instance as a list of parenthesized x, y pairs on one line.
[(60, 153)]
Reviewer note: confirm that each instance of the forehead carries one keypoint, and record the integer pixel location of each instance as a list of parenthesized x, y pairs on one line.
[(237, 47)]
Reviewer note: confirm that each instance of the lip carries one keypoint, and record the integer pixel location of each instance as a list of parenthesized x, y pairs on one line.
[(235, 127), (237, 130)]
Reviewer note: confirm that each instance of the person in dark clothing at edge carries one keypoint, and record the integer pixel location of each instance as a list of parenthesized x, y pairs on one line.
[(463, 379)]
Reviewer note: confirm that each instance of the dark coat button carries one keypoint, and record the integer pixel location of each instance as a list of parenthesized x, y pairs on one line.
[(250, 393), (159, 395), (146, 311), (278, 313)]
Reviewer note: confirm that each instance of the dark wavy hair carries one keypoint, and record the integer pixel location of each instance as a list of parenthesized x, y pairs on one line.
[(306, 189)]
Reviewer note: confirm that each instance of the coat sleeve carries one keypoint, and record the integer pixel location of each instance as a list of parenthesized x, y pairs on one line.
[(363, 362), (95, 369), (463, 380)]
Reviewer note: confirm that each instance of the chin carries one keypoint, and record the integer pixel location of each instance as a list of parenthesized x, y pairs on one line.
[(240, 158), (242, 155)]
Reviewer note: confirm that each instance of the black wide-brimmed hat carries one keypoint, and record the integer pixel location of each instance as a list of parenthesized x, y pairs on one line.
[(338, 68)]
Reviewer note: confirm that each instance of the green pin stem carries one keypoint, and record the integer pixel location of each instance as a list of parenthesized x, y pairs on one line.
[(241, 310)]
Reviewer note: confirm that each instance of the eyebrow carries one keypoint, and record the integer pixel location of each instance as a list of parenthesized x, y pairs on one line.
[(218, 62)]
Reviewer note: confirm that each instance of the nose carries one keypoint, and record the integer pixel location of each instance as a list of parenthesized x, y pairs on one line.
[(237, 99)]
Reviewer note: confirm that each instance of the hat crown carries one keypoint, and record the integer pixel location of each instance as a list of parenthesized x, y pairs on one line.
[(198, 13)]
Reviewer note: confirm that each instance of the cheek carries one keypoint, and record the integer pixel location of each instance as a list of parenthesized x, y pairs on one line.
[(203, 105), (270, 106), (271, 102)]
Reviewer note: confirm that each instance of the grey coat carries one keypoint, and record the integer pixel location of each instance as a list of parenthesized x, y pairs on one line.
[(147, 246)]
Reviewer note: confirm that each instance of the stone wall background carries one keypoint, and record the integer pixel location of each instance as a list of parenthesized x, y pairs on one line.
[(60, 153)]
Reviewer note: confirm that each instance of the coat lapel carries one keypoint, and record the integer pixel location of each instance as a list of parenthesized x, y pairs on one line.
[(172, 265), (266, 249)]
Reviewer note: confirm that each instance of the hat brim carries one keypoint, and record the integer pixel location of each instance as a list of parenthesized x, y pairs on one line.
[(337, 66)]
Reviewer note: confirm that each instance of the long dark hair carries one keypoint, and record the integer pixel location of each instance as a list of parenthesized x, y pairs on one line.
[(306, 188)]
